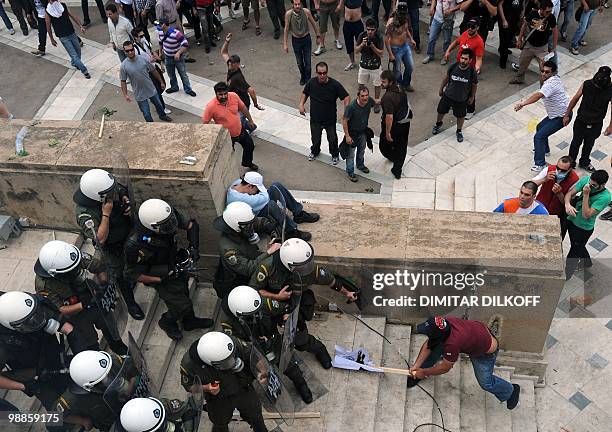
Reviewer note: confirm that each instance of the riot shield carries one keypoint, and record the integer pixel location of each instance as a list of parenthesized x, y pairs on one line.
[(195, 401), (133, 380), (121, 172), (271, 387), (111, 307), (289, 332)]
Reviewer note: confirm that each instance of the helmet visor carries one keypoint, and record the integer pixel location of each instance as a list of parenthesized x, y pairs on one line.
[(101, 386), (110, 192), (168, 225), (304, 268), (233, 363), (34, 321), (247, 229)]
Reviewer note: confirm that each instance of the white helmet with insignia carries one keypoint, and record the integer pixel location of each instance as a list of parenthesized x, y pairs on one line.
[(57, 258), (96, 184), (243, 300), (297, 256), (158, 216), (90, 370), (22, 312), (143, 415), (218, 350), (239, 216)]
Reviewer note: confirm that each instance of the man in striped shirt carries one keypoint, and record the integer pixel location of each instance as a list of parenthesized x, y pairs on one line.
[(174, 46)]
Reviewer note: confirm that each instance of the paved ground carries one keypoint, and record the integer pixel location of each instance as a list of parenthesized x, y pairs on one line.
[(42, 77)]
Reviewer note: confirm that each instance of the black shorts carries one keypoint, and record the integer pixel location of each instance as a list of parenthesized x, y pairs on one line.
[(459, 108)]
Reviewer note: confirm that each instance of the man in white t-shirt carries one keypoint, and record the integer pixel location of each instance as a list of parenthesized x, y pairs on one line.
[(552, 93), (443, 20)]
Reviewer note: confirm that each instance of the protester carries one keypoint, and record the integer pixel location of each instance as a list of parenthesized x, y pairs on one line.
[(173, 44), (355, 123), (399, 40), (85, 9), (22, 11), (556, 103), (370, 46), (119, 30), (597, 94), (484, 11), (589, 9), (7, 21), (144, 11), (352, 28), (328, 9), (296, 22), (509, 13), (245, 10), (442, 14), (39, 10), (276, 10), (205, 10), (525, 203), (323, 92), (165, 10), (125, 7), (223, 109)]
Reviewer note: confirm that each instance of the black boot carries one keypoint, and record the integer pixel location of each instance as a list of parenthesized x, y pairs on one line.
[(169, 325), (297, 378), (127, 291), (118, 347), (191, 322), (304, 235), (323, 356)]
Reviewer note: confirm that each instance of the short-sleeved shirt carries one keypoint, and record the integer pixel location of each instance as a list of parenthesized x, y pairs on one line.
[(555, 99), (512, 9), (467, 336), (225, 115), (358, 116), (239, 85), (369, 59), (460, 82), (512, 205), (137, 71), (475, 43), (391, 102), (598, 202), (476, 9), (543, 28), (441, 7), (323, 100)]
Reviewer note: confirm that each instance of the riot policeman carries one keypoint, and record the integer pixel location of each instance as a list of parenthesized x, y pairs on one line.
[(61, 279), (239, 253), (82, 403), (291, 270), (223, 365), (248, 318), (159, 415), (151, 258), (31, 357), (103, 201)]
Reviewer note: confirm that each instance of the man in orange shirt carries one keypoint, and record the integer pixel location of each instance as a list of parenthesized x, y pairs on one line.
[(223, 109)]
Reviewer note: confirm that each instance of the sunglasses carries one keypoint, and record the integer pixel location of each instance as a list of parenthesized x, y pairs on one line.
[(544, 71), (472, 27), (129, 50), (322, 73)]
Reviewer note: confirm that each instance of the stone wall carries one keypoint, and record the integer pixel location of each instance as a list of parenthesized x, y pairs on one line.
[(40, 185)]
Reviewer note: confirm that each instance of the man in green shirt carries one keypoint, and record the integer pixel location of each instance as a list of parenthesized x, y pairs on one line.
[(582, 204)]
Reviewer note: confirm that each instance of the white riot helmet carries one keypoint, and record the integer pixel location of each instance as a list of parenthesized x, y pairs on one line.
[(23, 313), (91, 370), (143, 415), (239, 216), (58, 258), (297, 255), (243, 300), (158, 216), (96, 184), (218, 350)]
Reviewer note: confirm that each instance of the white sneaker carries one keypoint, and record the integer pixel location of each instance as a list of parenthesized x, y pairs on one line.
[(427, 59), (338, 44), (443, 61), (311, 157), (12, 31), (167, 111), (320, 50), (335, 160), (470, 115), (349, 66), (538, 168)]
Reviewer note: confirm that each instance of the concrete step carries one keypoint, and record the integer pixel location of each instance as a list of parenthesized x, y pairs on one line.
[(464, 191), (418, 407), (524, 415), (499, 418), (473, 417), (448, 394), (485, 193), (392, 388), (445, 193), (363, 387)]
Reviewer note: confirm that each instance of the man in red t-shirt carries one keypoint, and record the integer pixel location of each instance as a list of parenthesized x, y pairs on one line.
[(446, 339), (223, 109)]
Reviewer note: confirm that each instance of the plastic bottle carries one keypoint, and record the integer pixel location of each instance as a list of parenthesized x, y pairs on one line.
[(19, 140)]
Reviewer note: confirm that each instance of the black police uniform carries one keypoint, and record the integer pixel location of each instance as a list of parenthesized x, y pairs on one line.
[(153, 254), (262, 330), (235, 388), (119, 229), (238, 258), (89, 405), (272, 276), (68, 291)]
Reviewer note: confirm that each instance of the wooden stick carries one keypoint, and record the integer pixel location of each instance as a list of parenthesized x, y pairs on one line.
[(272, 416), (101, 125), (395, 371)]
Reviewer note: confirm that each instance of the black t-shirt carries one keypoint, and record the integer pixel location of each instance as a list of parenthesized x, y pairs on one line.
[(595, 101), (369, 60), (476, 9), (531, 6), (460, 83), (323, 100), (394, 102), (62, 25), (238, 84), (513, 9), (543, 28)]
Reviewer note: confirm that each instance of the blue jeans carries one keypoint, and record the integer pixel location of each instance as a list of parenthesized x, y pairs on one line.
[(359, 142), (245, 123), (414, 23), (73, 48), (146, 110), (302, 48), (585, 23), (278, 192), (434, 31), (545, 128), (568, 15), (403, 55), (5, 18), (171, 67), (483, 370)]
